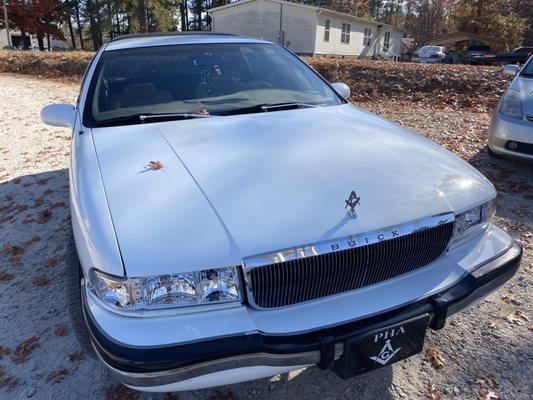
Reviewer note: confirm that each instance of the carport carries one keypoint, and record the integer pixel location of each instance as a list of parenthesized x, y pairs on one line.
[(454, 38)]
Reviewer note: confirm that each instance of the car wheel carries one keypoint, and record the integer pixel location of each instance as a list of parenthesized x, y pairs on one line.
[(73, 280), (492, 154)]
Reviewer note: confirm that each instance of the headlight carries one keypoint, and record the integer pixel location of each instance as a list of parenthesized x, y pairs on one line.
[(511, 104), (219, 285), (471, 222)]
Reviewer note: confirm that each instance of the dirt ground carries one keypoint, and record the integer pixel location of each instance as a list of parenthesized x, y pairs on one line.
[(485, 352)]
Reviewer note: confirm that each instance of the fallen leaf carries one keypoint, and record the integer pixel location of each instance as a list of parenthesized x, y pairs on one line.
[(201, 111), (13, 250), (488, 395), (511, 300), (431, 393), (4, 351), (23, 351), (492, 325), (518, 318), (77, 356), (40, 280), (57, 376), (6, 276), (218, 395), (44, 216), (34, 239), (120, 392), (171, 396), (489, 380), (60, 330), (54, 261), (155, 165), (436, 357), (9, 382)]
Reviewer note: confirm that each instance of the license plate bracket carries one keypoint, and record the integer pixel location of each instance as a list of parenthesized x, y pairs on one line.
[(382, 347)]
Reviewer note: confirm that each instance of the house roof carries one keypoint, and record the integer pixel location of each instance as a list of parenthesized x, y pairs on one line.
[(316, 9)]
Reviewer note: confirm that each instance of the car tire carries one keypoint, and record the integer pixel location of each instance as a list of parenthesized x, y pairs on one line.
[(492, 154), (74, 275)]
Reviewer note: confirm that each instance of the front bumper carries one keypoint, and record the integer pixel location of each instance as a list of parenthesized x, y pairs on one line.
[(504, 129), (160, 368), (427, 60)]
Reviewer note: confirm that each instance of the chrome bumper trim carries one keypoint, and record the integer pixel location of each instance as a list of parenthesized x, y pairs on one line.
[(148, 379)]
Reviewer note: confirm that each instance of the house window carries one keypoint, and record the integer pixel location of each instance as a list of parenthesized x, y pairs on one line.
[(326, 30), (345, 34), (367, 37), (386, 41)]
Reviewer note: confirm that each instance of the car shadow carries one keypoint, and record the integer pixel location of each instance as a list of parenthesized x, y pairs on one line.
[(314, 383), (513, 179)]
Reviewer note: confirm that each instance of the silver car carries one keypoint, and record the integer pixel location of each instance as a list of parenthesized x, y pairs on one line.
[(511, 128), (429, 54), (234, 217)]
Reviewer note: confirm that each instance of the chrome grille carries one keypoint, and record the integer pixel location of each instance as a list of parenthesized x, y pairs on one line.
[(316, 276)]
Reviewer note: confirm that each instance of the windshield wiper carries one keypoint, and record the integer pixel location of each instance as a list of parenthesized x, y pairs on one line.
[(267, 107), (146, 118), (170, 117)]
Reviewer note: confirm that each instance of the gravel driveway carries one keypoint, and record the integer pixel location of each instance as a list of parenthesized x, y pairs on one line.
[(484, 351)]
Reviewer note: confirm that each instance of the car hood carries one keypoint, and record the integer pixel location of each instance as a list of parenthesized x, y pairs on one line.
[(525, 86), (240, 185)]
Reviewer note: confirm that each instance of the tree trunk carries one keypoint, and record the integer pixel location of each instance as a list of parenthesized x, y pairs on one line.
[(48, 42), (24, 42), (78, 22), (93, 25), (40, 42), (119, 31), (186, 14), (99, 28), (143, 23), (182, 15), (71, 30), (110, 19)]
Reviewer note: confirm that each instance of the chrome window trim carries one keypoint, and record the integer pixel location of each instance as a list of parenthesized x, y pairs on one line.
[(334, 246)]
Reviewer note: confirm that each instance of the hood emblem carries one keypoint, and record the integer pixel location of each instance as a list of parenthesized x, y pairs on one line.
[(352, 201)]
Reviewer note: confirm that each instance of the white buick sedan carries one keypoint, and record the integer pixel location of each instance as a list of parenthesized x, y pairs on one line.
[(234, 218)]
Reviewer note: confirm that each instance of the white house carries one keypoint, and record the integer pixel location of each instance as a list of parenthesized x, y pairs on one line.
[(16, 40), (306, 29)]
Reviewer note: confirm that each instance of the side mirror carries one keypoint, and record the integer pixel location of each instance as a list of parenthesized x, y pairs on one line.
[(342, 89), (59, 115), (511, 69)]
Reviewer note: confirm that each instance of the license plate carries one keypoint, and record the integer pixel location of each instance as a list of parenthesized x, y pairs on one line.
[(382, 347)]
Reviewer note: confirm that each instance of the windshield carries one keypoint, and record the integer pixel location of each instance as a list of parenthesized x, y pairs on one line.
[(430, 48), (479, 48), (527, 70), (200, 79)]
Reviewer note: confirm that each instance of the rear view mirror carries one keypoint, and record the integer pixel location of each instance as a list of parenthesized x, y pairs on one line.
[(511, 69), (342, 89), (59, 115)]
